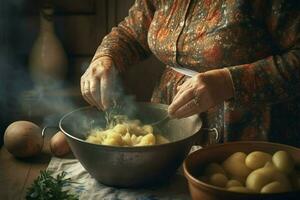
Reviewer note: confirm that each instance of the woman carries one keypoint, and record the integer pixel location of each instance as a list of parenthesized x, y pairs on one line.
[(246, 52)]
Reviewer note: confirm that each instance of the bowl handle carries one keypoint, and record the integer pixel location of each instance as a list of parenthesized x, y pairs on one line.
[(208, 136), (47, 127)]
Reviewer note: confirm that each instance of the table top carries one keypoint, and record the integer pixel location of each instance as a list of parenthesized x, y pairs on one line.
[(16, 174)]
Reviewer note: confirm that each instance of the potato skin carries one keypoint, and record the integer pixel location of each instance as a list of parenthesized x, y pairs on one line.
[(283, 161), (23, 139), (257, 159), (59, 145)]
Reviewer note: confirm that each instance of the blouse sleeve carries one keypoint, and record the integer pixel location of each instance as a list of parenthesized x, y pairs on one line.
[(275, 78), (127, 43)]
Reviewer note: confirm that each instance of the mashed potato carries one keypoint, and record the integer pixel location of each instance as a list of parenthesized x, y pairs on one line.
[(127, 133)]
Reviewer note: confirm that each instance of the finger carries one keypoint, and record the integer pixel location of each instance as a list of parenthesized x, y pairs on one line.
[(87, 93), (83, 92), (187, 110), (95, 93), (186, 84), (180, 89), (106, 90), (185, 97)]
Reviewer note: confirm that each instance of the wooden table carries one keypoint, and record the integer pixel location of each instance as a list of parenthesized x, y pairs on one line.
[(16, 175)]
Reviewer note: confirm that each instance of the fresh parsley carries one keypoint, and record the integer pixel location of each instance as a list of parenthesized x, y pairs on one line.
[(47, 187)]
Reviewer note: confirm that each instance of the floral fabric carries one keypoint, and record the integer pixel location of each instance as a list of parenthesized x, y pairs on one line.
[(258, 41)]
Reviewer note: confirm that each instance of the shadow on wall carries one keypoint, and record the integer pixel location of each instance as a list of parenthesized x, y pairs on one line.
[(13, 77)]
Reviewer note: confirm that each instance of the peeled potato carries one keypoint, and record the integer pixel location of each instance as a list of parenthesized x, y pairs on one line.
[(233, 183), (23, 139), (235, 166), (161, 139), (273, 187), (120, 128), (127, 139), (257, 159), (148, 128), (295, 179), (219, 180), (59, 145), (239, 189), (283, 161), (213, 168), (263, 176), (258, 172), (204, 179), (148, 139)]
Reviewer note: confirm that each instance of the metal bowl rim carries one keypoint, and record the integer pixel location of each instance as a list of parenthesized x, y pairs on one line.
[(120, 148)]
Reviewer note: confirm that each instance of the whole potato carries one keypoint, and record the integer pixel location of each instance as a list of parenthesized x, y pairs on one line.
[(257, 159), (213, 168), (295, 179), (23, 139), (263, 176), (59, 145), (235, 166), (204, 179), (239, 189), (219, 180), (283, 161), (233, 183), (257, 180), (273, 187)]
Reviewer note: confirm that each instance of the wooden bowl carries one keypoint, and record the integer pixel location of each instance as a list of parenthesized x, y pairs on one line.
[(196, 161)]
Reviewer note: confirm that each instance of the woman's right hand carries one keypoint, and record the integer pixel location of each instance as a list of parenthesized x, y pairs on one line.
[(97, 82)]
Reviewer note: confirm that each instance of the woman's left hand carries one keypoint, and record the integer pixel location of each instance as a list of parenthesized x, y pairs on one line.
[(201, 92)]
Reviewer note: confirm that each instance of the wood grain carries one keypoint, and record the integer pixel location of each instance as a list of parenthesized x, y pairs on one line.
[(17, 174)]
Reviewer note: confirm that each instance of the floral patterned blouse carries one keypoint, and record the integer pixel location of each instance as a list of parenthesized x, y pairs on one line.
[(258, 41)]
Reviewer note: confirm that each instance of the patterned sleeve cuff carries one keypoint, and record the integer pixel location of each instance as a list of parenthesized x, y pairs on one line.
[(243, 80), (118, 62)]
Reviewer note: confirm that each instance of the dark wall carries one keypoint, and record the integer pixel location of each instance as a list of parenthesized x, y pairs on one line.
[(80, 25), (12, 76)]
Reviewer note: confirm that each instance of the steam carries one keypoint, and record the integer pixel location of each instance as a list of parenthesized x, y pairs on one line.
[(19, 93), (13, 78)]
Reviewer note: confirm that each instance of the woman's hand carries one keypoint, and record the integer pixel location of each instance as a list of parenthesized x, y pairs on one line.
[(201, 92), (97, 83)]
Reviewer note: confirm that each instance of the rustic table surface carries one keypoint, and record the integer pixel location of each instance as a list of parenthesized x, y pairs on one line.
[(16, 175)]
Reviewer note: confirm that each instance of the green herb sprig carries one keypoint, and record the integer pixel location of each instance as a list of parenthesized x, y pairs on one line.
[(46, 187), (113, 115)]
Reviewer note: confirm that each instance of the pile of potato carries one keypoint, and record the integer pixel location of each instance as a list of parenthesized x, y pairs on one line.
[(129, 134), (257, 172)]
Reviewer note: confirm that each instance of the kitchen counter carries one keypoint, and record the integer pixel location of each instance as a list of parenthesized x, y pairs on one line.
[(16, 175)]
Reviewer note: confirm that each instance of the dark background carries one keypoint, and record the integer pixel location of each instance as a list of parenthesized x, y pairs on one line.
[(80, 25)]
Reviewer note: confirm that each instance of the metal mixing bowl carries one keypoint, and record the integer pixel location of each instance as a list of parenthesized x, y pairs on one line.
[(130, 166)]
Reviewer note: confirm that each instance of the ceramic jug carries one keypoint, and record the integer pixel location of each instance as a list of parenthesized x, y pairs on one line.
[(48, 60)]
